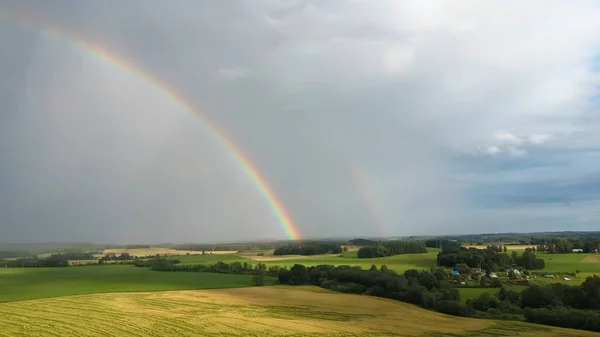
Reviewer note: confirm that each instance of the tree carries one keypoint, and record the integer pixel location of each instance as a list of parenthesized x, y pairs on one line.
[(484, 302), (539, 297), (373, 268), (259, 275), (454, 308), (299, 275), (514, 255), (505, 248)]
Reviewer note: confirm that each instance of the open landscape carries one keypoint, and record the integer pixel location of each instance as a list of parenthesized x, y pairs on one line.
[(299, 168), (147, 292)]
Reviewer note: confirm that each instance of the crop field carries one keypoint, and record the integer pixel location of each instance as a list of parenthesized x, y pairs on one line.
[(32, 283), (399, 263), (508, 247), (264, 311), (571, 262), (161, 251)]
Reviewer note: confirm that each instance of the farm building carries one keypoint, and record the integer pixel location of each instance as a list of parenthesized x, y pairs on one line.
[(577, 250)]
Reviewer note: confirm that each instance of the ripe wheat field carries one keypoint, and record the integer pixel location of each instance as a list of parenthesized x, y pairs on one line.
[(260, 311)]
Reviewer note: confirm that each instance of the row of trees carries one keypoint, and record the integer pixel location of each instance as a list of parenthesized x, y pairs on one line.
[(122, 257), (441, 243), (34, 262), (488, 259), (11, 254), (309, 249), (429, 289), (259, 272), (564, 246), (392, 248), (363, 242), (73, 256)]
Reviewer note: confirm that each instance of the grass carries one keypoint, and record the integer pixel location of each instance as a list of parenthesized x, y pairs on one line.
[(32, 283), (399, 263), (265, 311), (211, 259), (570, 263)]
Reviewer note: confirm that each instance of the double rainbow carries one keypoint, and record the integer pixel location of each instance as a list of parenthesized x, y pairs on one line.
[(118, 61)]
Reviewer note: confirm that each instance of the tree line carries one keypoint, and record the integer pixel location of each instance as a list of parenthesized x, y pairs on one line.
[(11, 254), (556, 304), (57, 260), (313, 248), (488, 259), (391, 248), (259, 272), (564, 246)]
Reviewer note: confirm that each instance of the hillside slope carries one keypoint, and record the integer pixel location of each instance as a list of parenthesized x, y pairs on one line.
[(265, 311)]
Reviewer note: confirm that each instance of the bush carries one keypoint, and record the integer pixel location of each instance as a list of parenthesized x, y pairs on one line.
[(454, 308), (565, 318), (484, 302)]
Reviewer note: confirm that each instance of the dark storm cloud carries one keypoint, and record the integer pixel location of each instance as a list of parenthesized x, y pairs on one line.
[(434, 104)]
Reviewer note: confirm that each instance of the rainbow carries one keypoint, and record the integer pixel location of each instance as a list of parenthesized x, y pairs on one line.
[(111, 57), (361, 183)]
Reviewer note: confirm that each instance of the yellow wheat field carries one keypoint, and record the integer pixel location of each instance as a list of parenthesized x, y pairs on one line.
[(591, 259), (265, 311)]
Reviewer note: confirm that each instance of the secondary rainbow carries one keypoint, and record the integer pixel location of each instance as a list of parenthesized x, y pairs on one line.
[(120, 62), (366, 191)]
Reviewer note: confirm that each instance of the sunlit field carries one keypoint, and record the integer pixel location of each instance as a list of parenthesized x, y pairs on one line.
[(32, 283), (260, 311), (399, 263)]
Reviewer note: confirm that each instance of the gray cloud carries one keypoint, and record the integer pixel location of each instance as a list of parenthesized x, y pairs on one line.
[(433, 103)]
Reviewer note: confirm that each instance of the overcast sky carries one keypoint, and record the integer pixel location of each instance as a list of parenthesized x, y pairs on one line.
[(367, 118)]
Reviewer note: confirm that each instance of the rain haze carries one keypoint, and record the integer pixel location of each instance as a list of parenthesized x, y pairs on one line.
[(386, 118)]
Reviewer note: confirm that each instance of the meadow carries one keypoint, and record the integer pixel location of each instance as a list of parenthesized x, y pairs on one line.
[(259, 311), (399, 263), (18, 284)]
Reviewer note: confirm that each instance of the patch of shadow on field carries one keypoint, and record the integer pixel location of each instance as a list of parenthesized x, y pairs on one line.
[(507, 329), (287, 312)]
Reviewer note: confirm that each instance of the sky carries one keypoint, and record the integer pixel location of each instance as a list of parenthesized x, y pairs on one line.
[(371, 119)]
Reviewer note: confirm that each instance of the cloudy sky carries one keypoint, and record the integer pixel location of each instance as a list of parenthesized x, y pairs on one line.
[(383, 118)]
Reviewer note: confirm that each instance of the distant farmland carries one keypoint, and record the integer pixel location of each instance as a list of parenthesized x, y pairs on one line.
[(161, 251)]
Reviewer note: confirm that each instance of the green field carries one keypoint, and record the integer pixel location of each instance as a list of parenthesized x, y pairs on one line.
[(32, 283), (569, 263), (210, 259), (472, 293), (399, 263), (259, 311)]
